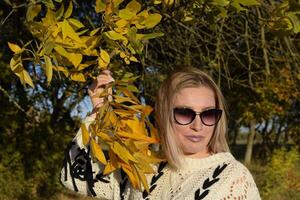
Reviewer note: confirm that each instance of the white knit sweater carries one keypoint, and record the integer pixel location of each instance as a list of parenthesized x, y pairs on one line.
[(217, 177)]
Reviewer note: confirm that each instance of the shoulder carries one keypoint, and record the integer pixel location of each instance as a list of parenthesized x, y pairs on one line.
[(240, 181)]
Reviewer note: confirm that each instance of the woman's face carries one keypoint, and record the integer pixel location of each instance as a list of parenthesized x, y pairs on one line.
[(194, 137)]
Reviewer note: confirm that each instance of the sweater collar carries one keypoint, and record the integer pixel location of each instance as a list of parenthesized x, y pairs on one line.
[(200, 163)]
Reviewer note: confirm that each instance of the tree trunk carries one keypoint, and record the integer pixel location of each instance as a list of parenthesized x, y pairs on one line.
[(250, 142)]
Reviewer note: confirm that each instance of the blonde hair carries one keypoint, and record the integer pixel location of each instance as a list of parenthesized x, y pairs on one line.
[(190, 77)]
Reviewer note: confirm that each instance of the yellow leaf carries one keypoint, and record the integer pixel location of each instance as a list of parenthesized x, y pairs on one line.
[(126, 14), (93, 32), (113, 35), (134, 6), (133, 179), (97, 151), (136, 136), (32, 11), (142, 177), (122, 152), (127, 61), (61, 69), (105, 137), (117, 3), (78, 77), (152, 20), (76, 23), (16, 64), (146, 110), (48, 48), (27, 78), (120, 99), (124, 113), (132, 58), (69, 10), (49, 70), (68, 31), (50, 19), (75, 59), (82, 66), (104, 58), (122, 23), (122, 55), (112, 164), (59, 49), (15, 48), (60, 12), (168, 2), (144, 163), (85, 135), (100, 6)]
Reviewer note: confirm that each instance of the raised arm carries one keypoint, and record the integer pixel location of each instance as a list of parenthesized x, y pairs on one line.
[(80, 173)]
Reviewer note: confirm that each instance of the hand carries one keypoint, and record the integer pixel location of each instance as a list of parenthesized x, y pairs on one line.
[(97, 87)]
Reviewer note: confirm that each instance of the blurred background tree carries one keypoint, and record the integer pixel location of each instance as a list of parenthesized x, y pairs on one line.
[(251, 49)]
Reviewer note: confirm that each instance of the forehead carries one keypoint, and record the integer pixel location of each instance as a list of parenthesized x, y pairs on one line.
[(197, 98)]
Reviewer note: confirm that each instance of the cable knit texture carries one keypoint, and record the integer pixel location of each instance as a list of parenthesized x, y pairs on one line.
[(217, 177)]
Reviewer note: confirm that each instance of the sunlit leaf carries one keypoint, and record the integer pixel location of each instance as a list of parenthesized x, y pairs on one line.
[(85, 134), (104, 59), (152, 20), (27, 78), (75, 58), (69, 10), (112, 164), (126, 14), (75, 23), (122, 152), (100, 6), (49, 70), (14, 47), (78, 77), (97, 152), (68, 31), (59, 49), (134, 6)]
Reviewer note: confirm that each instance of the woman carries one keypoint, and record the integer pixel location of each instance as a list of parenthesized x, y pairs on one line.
[(191, 119)]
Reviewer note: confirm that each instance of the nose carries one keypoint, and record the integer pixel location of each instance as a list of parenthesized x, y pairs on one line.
[(197, 124)]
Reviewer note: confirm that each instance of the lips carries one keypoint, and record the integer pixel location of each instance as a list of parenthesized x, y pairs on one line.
[(194, 138)]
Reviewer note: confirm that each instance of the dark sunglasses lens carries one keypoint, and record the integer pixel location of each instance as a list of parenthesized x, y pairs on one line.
[(184, 115), (211, 117)]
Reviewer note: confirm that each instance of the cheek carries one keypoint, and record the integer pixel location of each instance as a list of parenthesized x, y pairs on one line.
[(180, 130)]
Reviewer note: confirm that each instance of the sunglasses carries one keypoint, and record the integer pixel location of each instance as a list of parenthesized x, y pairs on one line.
[(185, 116)]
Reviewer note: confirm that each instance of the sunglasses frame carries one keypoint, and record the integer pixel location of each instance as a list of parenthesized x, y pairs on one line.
[(200, 115)]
